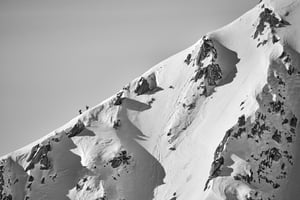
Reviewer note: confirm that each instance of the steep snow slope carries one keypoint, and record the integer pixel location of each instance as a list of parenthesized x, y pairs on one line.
[(216, 121)]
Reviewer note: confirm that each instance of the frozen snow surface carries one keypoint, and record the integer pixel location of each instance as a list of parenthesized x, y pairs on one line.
[(217, 121)]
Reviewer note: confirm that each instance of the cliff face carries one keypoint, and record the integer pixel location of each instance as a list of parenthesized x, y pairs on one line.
[(219, 120)]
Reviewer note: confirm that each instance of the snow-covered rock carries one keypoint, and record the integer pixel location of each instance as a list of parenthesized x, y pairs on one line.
[(217, 121)]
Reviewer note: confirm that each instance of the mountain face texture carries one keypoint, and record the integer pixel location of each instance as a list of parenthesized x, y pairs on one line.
[(217, 121)]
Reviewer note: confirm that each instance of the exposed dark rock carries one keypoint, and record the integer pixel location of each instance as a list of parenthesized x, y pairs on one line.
[(172, 148), (117, 124), (206, 48), (213, 74), (198, 74), (188, 59), (32, 153), (45, 163), (43, 180), (40, 155), (121, 159), (291, 69), (292, 130), (30, 178), (283, 55), (220, 147), (142, 86), (55, 139), (8, 197), (118, 100), (191, 106), (2, 182), (216, 166), (147, 85), (276, 185), (285, 121), (269, 17), (277, 136), (274, 154), (30, 166), (29, 186), (239, 132), (293, 121), (79, 187), (242, 120), (247, 178), (115, 163), (151, 101), (275, 39), (16, 181), (77, 129), (215, 170), (289, 139), (276, 106)]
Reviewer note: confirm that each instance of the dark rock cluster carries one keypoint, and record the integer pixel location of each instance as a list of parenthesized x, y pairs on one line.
[(215, 170), (267, 16), (38, 154), (76, 130), (117, 124), (1, 180), (188, 59), (121, 159), (212, 72), (3, 194), (270, 135), (146, 85), (81, 183), (286, 60), (221, 146), (208, 70), (142, 86), (118, 99), (259, 127), (206, 49)]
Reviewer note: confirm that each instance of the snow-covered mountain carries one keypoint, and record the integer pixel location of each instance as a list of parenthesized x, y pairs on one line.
[(217, 121)]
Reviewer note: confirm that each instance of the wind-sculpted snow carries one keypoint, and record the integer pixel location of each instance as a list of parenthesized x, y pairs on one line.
[(217, 121)]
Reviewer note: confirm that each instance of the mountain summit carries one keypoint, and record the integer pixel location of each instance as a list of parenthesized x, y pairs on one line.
[(217, 121)]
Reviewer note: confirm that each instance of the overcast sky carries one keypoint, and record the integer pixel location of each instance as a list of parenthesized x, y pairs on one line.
[(57, 56)]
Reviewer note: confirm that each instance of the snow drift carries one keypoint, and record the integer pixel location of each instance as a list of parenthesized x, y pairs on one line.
[(217, 121)]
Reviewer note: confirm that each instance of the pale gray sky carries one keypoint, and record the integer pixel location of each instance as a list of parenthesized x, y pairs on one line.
[(58, 56)]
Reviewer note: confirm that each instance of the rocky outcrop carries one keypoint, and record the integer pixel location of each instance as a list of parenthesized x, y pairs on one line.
[(269, 20), (118, 99), (211, 71), (39, 155), (269, 136), (147, 85), (121, 159), (77, 129)]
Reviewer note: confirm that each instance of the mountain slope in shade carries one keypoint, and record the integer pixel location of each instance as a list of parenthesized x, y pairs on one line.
[(217, 121)]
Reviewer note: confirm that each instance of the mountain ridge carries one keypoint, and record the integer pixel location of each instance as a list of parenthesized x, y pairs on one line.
[(218, 120)]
